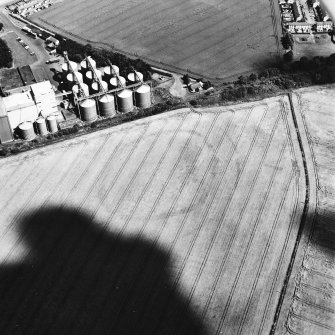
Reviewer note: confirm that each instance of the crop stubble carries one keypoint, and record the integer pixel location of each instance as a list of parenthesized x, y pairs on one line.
[(214, 38), (206, 188)]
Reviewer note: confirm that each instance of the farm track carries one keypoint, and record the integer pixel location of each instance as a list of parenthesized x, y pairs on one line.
[(188, 184)]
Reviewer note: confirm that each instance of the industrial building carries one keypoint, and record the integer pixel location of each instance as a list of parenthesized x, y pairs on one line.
[(23, 108), (96, 94)]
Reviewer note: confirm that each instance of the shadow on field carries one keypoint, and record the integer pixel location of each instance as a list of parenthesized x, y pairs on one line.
[(79, 279)]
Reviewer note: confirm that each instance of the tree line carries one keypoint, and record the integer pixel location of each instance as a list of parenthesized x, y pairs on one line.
[(6, 58)]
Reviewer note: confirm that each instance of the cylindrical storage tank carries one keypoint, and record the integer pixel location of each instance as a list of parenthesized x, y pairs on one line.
[(27, 130), (84, 66), (125, 101), (142, 96), (107, 105), (95, 87), (66, 68), (41, 126), (52, 124), (88, 110), (89, 75), (109, 73), (75, 89), (135, 77), (71, 77), (115, 83)]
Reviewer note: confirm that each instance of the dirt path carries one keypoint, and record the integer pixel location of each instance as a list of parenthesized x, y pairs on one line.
[(177, 88)]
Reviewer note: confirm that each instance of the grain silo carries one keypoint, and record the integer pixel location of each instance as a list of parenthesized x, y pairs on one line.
[(116, 81), (89, 75), (27, 130), (88, 110), (72, 77), (106, 105), (125, 101), (143, 96), (52, 124), (76, 89), (110, 71), (95, 87), (41, 126), (66, 68), (84, 66), (135, 77)]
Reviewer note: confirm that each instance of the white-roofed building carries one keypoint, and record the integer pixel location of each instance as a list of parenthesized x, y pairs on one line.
[(44, 96)]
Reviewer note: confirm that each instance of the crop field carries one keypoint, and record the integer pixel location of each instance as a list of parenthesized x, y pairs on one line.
[(313, 307), (213, 38), (176, 224)]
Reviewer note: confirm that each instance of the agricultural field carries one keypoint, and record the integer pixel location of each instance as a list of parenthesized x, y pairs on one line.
[(182, 223), (312, 309), (215, 39)]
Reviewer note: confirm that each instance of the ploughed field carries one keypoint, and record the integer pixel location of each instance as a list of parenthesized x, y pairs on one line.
[(213, 38), (182, 223)]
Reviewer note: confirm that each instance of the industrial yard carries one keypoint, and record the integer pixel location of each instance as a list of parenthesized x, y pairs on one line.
[(213, 39), (217, 194)]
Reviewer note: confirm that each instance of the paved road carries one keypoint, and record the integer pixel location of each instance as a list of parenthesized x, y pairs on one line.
[(39, 68)]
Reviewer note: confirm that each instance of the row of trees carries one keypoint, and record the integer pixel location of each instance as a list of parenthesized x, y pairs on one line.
[(6, 58)]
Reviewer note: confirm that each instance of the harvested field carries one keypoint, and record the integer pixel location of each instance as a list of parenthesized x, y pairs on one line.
[(182, 223), (312, 309), (214, 38)]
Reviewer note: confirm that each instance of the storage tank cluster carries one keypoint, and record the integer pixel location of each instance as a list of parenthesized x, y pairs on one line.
[(124, 100), (43, 126)]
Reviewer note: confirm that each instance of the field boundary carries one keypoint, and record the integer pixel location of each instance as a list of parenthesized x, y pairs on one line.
[(306, 222)]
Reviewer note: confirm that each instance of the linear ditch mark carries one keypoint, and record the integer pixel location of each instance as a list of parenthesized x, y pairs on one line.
[(264, 254), (121, 169), (77, 209), (21, 236), (12, 173), (250, 240), (184, 183), (171, 173), (203, 219), (207, 170), (317, 323), (18, 216), (241, 213), (260, 268), (223, 214), (302, 221), (293, 219), (281, 258), (139, 167), (19, 186), (42, 236), (149, 182), (205, 213)]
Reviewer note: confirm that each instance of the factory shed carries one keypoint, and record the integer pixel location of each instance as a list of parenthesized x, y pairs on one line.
[(44, 97), (20, 107), (6, 134)]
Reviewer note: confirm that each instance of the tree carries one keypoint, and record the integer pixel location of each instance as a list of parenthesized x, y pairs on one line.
[(287, 41), (186, 79), (1, 26), (288, 56)]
